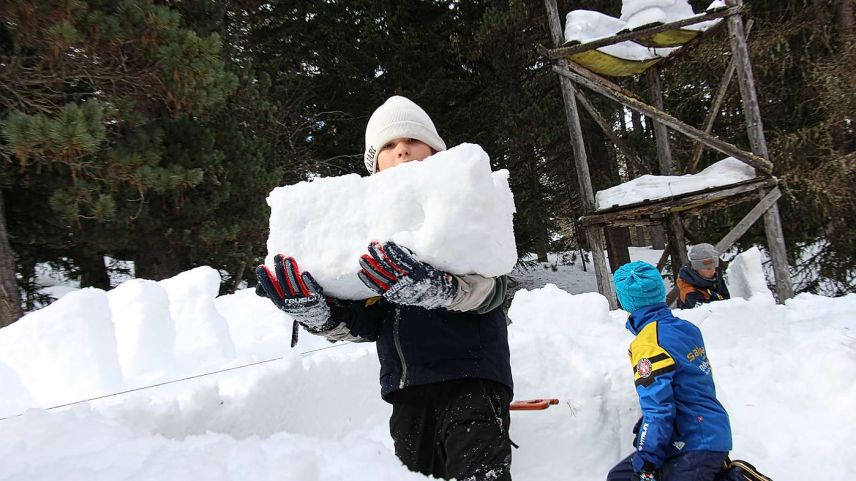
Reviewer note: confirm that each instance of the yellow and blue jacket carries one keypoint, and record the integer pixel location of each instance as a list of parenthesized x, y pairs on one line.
[(680, 412)]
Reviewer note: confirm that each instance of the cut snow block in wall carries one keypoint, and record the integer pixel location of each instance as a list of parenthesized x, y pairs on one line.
[(16, 398), (450, 209), (746, 278), (66, 351), (145, 331), (202, 337)]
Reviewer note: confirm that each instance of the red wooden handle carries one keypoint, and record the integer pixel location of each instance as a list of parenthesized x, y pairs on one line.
[(532, 404)]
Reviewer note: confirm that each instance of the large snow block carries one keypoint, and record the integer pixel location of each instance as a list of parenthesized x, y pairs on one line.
[(65, 351), (202, 337), (746, 278), (145, 332), (450, 209)]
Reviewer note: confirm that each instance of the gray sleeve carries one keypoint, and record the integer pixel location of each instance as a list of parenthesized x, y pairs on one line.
[(479, 294), (340, 333)]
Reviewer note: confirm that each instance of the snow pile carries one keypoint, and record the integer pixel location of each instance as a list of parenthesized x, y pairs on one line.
[(449, 209), (650, 187), (319, 416), (638, 13), (586, 25), (746, 277)]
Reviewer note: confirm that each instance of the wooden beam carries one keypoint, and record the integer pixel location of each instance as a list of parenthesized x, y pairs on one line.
[(563, 52), (755, 129), (755, 161), (681, 201), (748, 220), (715, 107), (661, 134), (594, 234), (625, 149)]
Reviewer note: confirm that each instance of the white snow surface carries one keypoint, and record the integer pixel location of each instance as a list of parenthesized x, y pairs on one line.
[(637, 13), (649, 187), (450, 209), (586, 25), (316, 414)]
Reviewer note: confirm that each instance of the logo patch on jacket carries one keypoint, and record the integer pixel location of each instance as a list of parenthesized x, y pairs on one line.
[(643, 367)]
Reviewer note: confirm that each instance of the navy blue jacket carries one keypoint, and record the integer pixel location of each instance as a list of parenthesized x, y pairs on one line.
[(420, 346), (680, 412), (696, 290)]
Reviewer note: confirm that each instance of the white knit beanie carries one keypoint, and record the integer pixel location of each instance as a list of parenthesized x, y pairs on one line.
[(397, 118)]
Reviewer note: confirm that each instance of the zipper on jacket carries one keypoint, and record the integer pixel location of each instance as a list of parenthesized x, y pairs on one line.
[(397, 341)]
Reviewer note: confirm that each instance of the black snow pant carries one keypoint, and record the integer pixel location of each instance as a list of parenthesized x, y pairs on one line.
[(453, 429)]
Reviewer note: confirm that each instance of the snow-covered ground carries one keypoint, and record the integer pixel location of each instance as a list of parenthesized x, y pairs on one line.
[(785, 374)]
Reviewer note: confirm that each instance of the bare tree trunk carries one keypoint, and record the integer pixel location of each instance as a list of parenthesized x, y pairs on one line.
[(845, 21), (536, 223), (93, 271), (10, 303), (156, 259)]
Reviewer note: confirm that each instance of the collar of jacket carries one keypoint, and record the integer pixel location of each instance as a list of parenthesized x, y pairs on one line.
[(690, 275), (645, 315)]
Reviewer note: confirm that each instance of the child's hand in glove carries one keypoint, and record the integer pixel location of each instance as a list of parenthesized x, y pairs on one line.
[(395, 273), (298, 295)]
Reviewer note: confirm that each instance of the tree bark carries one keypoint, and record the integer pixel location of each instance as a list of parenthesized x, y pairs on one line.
[(536, 224), (10, 297), (845, 21), (156, 259), (93, 271)]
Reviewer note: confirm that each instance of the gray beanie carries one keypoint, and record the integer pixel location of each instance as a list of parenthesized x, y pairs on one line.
[(703, 256), (398, 117)]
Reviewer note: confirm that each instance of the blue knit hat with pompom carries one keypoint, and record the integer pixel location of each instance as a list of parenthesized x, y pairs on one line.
[(638, 284)]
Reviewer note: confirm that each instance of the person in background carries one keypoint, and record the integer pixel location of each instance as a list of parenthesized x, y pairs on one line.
[(684, 433), (442, 339), (700, 281)]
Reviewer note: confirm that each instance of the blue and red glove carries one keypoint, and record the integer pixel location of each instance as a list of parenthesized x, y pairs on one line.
[(295, 293), (394, 272)]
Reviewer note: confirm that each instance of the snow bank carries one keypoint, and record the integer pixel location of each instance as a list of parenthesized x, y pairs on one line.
[(316, 414), (449, 209), (650, 187), (64, 352), (745, 275)]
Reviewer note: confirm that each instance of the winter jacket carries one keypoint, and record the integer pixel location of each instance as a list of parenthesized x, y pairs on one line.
[(419, 346), (680, 412), (696, 290)]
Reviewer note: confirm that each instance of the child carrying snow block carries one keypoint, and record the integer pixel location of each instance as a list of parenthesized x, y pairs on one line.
[(684, 433), (441, 338)]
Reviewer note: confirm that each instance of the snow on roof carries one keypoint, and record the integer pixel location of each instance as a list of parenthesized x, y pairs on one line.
[(650, 187), (586, 26)]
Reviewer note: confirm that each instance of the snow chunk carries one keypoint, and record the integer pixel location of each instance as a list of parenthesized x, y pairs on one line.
[(586, 26), (648, 187), (145, 331), (637, 13), (202, 334), (449, 209), (66, 351), (746, 278)]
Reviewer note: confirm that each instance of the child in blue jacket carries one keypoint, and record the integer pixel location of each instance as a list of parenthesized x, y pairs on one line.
[(684, 433)]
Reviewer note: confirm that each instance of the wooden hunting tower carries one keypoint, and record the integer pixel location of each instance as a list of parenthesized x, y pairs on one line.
[(569, 63)]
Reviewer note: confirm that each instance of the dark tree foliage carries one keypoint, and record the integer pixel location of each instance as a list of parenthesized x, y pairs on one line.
[(152, 131)]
